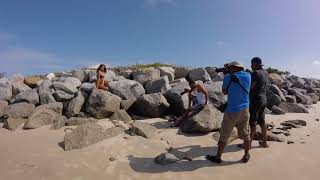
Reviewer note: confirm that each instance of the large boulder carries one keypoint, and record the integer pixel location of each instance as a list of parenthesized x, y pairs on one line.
[(19, 87), (181, 72), (62, 96), (44, 115), (277, 110), (314, 97), (293, 108), (87, 87), (205, 121), (143, 129), (297, 81), (276, 79), (301, 98), (125, 73), (127, 104), (199, 74), (88, 134), (291, 99), (77, 121), (72, 81), (19, 110), (32, 81), (75, 105), (121, 115), (167, 71), (151, 105), (160, 85), (67, 87), (286, 85), (29, 96), (211, 71), (102, 104), (275, 89), (5, 90), (80, 74), (126, 89), (45, 86), (13, 123), (3, 107), (147, 74), (216, 97), (272, 99), (59, 123), (46, 98), (178, 103)]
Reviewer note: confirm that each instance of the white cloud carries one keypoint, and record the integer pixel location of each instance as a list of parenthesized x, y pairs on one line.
[(155, 3), (316, 62)]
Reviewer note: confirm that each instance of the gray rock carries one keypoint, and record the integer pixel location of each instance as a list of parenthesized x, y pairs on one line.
[(178, 103), (88, 134), (19, 110), (277, 110), (148, 74), (44, 115), (167, 71), (166, 158), (296, 122), (127, 104), (211, 71), (160, 85), (5, 90), (80, 74), (177, 81), (296, 81), (68, 88), (62, 96), (286, 84), (276, 79), (45, 86), (199, 74), (275, 89), (102, 104), (19, 87), (270, 136), (77, 121), (314, 97), (272, 99), (12, 123), (207, 120), (301, 98), (126, 89), (72, 81), (293, 108), (46, 98), (92, 76), (3, 107), (291, 99), (126, 73), (87, 87), (29, 96), (110, 75), (118, 78), (121, 115), (216, 97), (143, 129), (151, 105), (75, 105), (181, 72), (59, 123), (233, 136)]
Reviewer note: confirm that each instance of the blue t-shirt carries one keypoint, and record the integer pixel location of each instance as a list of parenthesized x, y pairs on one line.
[(238, 99)]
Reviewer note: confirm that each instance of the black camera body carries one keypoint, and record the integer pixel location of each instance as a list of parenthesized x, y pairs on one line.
[(225, 70)]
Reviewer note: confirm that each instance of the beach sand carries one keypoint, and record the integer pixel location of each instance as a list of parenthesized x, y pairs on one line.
[(38, 154)]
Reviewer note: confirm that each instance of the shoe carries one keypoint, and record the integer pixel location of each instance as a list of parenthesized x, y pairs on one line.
[(245, 158), (213, 159)]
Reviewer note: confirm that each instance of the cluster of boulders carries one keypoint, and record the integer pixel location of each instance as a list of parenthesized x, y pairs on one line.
[(71, 99)]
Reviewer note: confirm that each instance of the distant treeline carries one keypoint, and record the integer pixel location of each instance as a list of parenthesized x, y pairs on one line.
[(277, 71)]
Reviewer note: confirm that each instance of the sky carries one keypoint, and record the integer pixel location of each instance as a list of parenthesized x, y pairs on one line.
[(42, 36)]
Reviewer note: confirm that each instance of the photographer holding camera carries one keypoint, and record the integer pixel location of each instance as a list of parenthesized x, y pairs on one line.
[(236, 85)]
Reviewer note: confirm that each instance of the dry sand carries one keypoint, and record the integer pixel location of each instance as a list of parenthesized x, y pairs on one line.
[(37, 154)]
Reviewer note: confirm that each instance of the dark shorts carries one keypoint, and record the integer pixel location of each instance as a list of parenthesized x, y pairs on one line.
[(257, 113)]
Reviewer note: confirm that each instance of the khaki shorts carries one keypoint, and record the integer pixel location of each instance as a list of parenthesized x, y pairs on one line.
[(240, 120)]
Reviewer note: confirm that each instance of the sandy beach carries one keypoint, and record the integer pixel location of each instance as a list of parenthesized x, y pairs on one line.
[(38, 154)]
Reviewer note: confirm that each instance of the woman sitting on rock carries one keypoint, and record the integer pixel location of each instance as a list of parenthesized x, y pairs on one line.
[(101, 83), (198, 98)]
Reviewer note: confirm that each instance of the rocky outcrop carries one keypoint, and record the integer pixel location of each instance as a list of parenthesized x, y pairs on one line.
[(143, 129), (199, 74), (19, 110), (160, 85), (121, 115), (148, 74), (151, 105), (216, 97), (77, 121), (88, 134), (276, 79), (293, 108), (207, 120), (13, 123), (3, 107), (277, 110), (167, 71), (47, 98), (102, 104), (5, 90), (19, 87), (126, 89), (75, 105), (178, 103), (29, 96), (32, 81)]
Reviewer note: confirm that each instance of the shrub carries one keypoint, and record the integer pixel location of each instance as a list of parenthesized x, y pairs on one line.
[(277, 71)]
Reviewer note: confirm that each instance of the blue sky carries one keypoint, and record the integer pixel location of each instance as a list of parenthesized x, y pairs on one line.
[(39, 36)]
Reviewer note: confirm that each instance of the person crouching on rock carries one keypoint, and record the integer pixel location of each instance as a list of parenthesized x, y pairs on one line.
[(101, 83), (236, 85), (198, 98)]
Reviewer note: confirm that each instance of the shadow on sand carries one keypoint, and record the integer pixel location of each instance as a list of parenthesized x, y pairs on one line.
[(147, 165)]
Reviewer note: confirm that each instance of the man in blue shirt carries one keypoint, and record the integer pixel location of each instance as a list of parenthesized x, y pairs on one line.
[(236, 85)]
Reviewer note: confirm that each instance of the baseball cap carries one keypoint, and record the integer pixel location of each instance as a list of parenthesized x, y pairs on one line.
[(257, 60)]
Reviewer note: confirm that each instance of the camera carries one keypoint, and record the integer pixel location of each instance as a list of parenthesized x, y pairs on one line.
[(225, 70)]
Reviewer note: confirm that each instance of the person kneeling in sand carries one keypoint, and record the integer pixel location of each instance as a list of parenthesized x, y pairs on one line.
[(101, 83), (236, 85), (198, 98)]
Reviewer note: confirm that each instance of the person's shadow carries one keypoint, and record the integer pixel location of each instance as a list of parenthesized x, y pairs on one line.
[(147, 165)]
